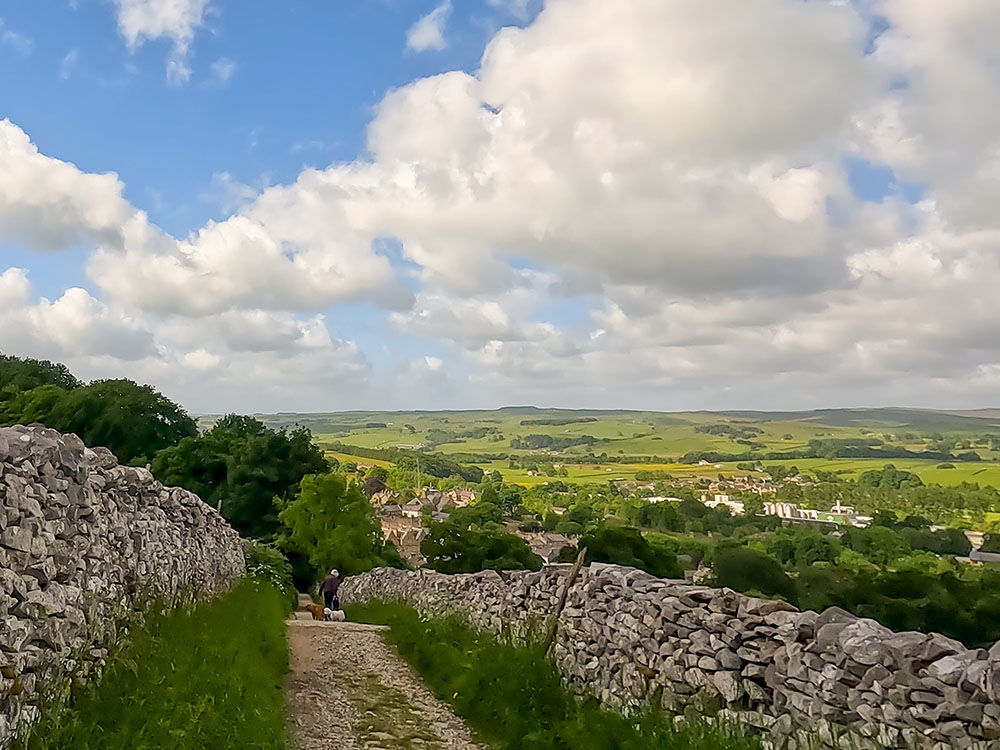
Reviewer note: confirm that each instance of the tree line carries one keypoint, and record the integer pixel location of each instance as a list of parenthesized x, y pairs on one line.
[(273, 486)]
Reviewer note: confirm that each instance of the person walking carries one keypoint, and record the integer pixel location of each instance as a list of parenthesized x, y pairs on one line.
[(329, 588)]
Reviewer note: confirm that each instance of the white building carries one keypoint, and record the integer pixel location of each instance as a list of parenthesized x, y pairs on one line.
[(790, 510), (735, 506)]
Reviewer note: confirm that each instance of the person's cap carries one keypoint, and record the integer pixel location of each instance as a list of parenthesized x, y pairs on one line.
[(333, 572)]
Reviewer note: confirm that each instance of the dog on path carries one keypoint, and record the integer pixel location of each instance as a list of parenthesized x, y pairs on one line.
[(325, 614), (316, 610)]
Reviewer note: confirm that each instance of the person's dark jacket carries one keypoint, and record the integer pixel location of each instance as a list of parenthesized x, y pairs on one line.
[(330, 585)]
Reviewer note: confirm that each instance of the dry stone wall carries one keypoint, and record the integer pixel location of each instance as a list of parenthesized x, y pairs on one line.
[(84, 541), (803, 679)]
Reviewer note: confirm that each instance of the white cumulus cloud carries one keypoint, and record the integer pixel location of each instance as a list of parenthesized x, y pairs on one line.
[(428, 32), (638, 203), (176, 20)]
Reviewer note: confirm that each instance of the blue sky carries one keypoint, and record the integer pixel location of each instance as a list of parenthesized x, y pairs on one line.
[(307, 75), (306, 78), (619, 195)]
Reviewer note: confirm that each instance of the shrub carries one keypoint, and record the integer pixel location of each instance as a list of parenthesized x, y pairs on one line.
[(452, 547), (625, 546), (747, 570), (268, 564)]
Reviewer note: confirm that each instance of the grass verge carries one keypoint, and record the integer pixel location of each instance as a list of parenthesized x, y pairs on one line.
[(513, 698), (209, 676)]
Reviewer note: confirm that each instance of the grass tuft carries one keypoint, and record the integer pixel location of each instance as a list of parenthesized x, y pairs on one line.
[(513, 698), (208, 676)]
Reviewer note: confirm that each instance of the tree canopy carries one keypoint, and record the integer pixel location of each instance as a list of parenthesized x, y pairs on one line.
[(472, 540), (18, 375), (246, 466), (747, 570), (626, 546), (133, 421), (333, 525)]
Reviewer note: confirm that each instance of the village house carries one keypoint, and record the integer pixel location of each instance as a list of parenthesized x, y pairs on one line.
[(405, 534), (460, 497), (414, 508), (385, 497), (735, 506), (545, 544)]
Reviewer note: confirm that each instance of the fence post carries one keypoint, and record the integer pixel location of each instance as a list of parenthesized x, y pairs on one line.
[(554, 623)]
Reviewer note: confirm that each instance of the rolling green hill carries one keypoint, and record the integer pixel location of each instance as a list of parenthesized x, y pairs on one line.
[(595, 444)]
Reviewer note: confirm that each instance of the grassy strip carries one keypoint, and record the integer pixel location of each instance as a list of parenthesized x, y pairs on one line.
[(206, 677), (513, 698)]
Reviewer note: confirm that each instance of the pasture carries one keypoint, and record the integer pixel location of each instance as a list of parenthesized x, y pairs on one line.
[(663, 436)]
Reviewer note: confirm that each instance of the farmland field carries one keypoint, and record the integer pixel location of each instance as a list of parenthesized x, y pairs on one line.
[(485, 438)]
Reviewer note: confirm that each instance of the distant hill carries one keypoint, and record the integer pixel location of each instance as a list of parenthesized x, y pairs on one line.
[(980, 419), (986, 419)]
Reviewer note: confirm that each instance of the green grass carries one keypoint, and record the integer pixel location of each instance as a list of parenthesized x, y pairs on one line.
[(513, 698), (346, 458), (669, 436), (203, 677), (985, 473)]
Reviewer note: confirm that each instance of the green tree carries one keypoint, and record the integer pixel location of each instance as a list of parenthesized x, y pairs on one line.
[(747, 570), (626, 546), (18, 375), (451, 547), (753, 505), (659, 516), (34, 405), (245, 466), (889, 477), (133, 421), (333, 525), (878, 544)]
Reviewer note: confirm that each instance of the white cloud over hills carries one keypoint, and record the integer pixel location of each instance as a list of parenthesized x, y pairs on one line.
[(627, 204)]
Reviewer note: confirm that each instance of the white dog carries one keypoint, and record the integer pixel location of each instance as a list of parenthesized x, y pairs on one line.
[(334, 615)]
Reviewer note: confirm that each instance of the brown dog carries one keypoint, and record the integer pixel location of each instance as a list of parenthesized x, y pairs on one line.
[(316, 610)]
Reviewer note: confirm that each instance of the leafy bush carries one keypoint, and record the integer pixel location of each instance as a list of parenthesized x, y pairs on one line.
[(205, 677), (268, 564), (454, 547), (747, 570), (513, 697), (626, 546), (967, 610)]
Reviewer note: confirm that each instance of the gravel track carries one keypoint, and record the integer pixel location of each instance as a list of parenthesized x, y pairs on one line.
[(348, 690)]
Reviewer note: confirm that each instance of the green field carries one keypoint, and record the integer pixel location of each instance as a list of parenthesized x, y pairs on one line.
[(666, 436), (984, 473)]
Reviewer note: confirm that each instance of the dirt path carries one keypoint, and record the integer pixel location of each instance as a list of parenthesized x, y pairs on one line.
[(348, 690)]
